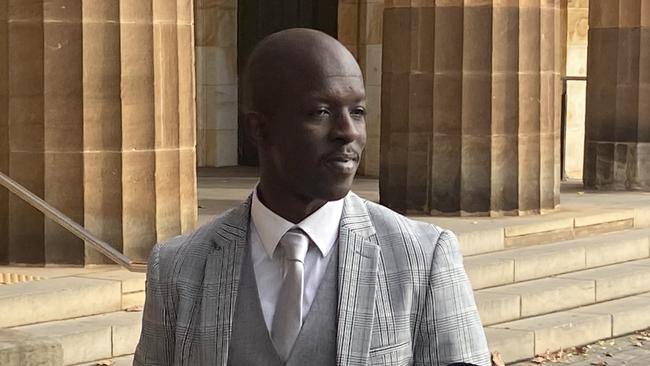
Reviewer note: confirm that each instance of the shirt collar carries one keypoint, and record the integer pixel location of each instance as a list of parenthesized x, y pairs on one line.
[(322, 226)]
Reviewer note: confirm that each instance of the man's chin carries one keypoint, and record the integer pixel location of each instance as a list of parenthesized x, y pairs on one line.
[(336, 193)]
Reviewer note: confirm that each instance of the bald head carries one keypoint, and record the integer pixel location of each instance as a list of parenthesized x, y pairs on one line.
[(287, 62), (304, 107)]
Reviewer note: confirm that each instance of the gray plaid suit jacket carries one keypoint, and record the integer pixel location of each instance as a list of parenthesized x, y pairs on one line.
[(404, 297)]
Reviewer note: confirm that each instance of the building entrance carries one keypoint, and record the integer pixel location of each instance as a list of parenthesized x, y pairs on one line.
[(258, 18)]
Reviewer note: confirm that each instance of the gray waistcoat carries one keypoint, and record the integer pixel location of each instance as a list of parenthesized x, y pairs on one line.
[(251, 344)]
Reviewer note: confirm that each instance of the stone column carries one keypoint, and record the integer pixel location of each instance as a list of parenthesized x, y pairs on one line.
[(4, 127), (617, 151), (97, 101), (471, 107)]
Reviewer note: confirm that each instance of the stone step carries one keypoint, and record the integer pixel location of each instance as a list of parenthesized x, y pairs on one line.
[(56, 299), (117, 361), (132, 284), (22, 349), (92, 338), (522, 339), (479, 235), (546, 295), (521, 264)]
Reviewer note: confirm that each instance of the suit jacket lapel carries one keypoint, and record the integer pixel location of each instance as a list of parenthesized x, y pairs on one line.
[(358, 263), (221, 284)]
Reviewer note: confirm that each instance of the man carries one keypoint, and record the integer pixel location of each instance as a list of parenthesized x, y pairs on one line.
[(305, 272)]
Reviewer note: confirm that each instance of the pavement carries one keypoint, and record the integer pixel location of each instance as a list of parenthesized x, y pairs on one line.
[(629, 350), (220, 189)]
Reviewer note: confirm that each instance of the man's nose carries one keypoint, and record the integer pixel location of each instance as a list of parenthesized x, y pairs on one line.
[(346, 128)]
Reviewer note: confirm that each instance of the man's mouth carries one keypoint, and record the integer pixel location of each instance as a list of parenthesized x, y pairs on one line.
[(345, 163), (343, 158)]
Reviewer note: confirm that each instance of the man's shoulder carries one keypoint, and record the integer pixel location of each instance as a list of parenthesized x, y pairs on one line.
[(197, 238), (391, 222), (392, 225), (196, 244)]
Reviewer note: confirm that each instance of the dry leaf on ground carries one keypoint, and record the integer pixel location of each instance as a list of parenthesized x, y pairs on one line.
[(497, 360), (539, 360), (104, 363), (134, 309)]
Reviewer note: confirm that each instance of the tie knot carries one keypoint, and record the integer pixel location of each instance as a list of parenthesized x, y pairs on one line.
[(295, 244)]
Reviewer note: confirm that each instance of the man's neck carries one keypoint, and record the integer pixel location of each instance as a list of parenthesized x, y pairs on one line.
[(290, 206)]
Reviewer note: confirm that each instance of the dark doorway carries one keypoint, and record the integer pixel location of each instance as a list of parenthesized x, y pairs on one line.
[(258, 18)]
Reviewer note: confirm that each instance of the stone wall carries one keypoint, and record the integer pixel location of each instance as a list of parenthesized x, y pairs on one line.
[(617, 153), (216, 82)]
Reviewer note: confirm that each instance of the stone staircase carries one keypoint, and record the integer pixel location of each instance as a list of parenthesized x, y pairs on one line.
[(92, 313), (558, 281), (541, 283)]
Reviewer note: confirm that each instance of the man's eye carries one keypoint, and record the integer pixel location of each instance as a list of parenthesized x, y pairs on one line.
[(322, 113), (359, 112)]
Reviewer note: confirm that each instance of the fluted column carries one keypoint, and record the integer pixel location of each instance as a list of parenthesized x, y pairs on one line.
[(617, 149), (471, 107), (100, 118), (4, 126)]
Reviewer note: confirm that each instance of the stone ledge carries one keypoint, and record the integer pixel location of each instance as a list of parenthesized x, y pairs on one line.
[(487, 271), (519, 264), (604, 217), (23, 349), (562, 330), (117, 361), (513, 345), (93, 337), (537, 297), (628, 314), (616, 281), (131, 281), (55, 299)]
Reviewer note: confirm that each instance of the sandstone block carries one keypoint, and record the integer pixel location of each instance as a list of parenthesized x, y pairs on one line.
[(616, 280), (495, 307), (59, 298), (512, 344), (130, 281), (628, 314), (94, 337), (561, 330), (23, 349), (548, 294), (486, 271)]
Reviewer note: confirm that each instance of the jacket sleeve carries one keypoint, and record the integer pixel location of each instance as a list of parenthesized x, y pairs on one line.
[(156, 345), (450, 329)]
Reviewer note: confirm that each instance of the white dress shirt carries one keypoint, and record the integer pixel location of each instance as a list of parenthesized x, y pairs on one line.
[(266, 230)]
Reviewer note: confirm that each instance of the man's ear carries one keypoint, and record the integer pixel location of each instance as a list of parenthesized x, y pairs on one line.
[(256, 124)]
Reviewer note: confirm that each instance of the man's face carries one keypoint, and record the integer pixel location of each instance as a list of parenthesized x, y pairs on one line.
[(317, 134)]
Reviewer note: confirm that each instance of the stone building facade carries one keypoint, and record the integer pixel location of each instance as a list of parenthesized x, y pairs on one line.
[(108, 106)]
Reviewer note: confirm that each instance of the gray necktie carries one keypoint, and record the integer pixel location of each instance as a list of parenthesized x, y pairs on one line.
[(288, 310)]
